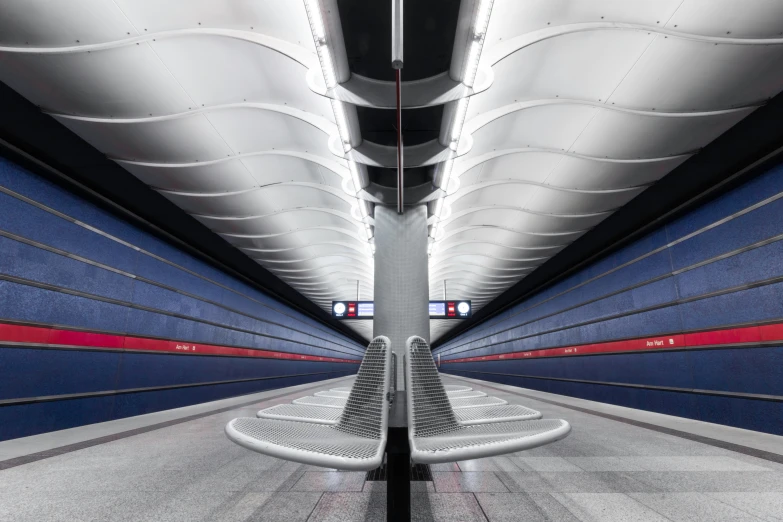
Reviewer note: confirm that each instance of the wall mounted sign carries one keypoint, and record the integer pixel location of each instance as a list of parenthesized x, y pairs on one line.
[(438, 309)]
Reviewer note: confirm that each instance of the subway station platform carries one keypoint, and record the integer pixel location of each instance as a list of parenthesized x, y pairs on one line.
[(617, 464)]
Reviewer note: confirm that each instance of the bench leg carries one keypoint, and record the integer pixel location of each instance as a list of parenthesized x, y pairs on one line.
[(398, 476)]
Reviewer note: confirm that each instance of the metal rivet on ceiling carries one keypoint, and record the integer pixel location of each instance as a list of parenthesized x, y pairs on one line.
[(675, 25), (77, 41), (199, 23), (728, 32)]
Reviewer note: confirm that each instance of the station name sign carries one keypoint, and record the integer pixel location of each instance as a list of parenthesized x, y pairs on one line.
[(366, 309)]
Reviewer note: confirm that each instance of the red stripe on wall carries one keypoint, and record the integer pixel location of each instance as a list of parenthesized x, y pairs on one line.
[(40, 335), (750, 334)]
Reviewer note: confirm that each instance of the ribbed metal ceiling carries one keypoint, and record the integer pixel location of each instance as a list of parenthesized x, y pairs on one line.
[(220, 106)]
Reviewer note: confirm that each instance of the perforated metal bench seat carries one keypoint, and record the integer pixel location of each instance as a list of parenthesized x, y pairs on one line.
[(308, 443), (358, 439), (326, 402), (451, 389), (332, 394), (491, 414), (434, 433), (466, 416), (486, 440), (456, 388), (302, 413), (465, 394), (475, 402)]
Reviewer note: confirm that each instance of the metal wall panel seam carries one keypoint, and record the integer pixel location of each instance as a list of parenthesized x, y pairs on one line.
[(66, 217), (97, 264), (739, 395), (637, 259), (117, 302), (71, 396)]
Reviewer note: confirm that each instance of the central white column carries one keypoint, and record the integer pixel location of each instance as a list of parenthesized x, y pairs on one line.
[(401, 278)]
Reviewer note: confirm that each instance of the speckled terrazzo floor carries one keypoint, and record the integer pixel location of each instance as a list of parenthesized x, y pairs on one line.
[(605, 470)]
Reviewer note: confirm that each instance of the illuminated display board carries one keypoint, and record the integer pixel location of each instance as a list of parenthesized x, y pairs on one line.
[(438, 309)]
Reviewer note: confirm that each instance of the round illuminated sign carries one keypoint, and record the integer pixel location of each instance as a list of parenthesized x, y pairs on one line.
[(339, 308), (463, 308)]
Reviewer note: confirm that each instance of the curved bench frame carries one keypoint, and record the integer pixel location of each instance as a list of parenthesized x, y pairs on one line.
[(434, 434), (356, 442)]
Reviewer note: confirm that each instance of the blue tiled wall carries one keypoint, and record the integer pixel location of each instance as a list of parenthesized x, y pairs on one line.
[(185, 299), (716, 267)]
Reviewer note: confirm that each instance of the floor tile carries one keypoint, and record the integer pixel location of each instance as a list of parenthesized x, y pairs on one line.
[(469, 481), (546, 464), (608, 507), (350, 507), (446, 507), (533, 507), (766, 506), (330, 481), (692, 507)]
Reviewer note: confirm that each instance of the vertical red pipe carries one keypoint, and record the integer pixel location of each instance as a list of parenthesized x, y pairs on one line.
[(398, 74)]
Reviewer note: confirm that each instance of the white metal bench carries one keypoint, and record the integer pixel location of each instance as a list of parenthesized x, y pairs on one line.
[(326, 402), (465, 394), (435, 435), (302, 413), (475, 402), (332, 394), (451, 389), (456, 388), (356, 442)]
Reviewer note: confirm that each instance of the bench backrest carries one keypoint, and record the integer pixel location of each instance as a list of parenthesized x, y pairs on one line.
[(429, 409), (366, 411)]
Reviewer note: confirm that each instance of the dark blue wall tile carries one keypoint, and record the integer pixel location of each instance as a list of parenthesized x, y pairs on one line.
[(263, 323)]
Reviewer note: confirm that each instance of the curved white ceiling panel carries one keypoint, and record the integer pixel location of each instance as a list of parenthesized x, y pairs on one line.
[(208, 103), (125, 82), (281, 222), (505, 236), (522, 220), (238, 174), (579, 107), (591, 103), (568, 171), (269, 198), (297, 238), (286, 20), (206, 69)]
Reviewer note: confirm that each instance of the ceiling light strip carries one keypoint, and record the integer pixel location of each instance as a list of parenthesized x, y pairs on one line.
[(475, 43), (325, 50)]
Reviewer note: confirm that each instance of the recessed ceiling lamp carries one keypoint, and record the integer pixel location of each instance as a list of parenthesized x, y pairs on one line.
[(482, 12), (322, 46)]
